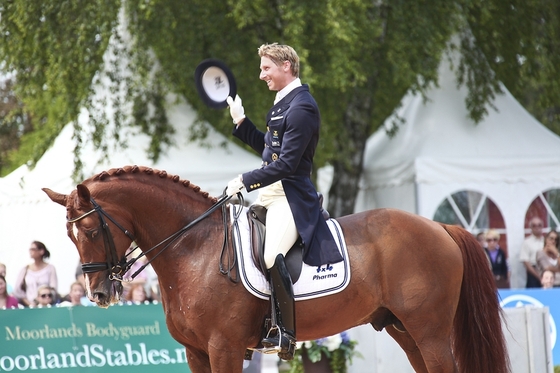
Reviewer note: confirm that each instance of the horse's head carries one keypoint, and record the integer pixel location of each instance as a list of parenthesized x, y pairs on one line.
[(101, 242)]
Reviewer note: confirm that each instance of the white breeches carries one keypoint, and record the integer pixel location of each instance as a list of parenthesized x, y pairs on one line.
[(281, 232)]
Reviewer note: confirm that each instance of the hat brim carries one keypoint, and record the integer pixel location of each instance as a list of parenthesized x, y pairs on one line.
[(214, 83)]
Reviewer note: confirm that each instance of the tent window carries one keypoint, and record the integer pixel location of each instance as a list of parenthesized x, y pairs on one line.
[(473, 211), (547, 207)]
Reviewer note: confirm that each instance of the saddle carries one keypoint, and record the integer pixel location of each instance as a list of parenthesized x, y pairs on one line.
[(257, 224)]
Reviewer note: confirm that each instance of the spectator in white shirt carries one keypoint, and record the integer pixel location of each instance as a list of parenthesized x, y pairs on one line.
[(528, 255)]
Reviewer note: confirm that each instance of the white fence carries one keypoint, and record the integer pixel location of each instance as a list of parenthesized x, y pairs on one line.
[(526, 329)]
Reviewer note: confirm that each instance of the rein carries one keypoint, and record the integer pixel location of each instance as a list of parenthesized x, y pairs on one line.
[(119, 267), (231, 261)]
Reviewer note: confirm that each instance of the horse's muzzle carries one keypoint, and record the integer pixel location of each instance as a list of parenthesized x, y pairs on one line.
[(106, 295)]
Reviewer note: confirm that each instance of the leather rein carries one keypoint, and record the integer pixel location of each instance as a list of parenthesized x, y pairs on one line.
[(118, 267)]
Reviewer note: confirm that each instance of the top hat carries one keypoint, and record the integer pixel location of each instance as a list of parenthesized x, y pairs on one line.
[(214, 83)]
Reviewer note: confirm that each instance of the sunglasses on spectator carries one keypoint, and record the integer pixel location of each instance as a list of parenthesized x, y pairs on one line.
[(492, 239), (46, 295), (536, 225)]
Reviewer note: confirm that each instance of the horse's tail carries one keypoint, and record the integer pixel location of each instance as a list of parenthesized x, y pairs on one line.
[(478, 340)]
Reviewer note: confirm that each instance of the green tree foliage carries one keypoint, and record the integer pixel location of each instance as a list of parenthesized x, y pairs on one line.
[(13, 120), (359, 57), (55, 47), (520, 43)]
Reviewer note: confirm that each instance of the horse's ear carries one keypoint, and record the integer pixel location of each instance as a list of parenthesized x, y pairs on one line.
[(84, 195), (56, 197)]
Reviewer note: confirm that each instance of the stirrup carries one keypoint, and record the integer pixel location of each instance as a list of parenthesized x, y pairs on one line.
[(272, 339), (282, 343)]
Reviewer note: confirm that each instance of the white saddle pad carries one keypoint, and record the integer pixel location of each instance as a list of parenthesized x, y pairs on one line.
[(313, 282)]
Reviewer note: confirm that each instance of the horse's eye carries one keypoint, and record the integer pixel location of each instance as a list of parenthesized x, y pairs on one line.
[(92, 234)]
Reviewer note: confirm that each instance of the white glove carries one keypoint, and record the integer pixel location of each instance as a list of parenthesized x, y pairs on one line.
[(236, 109), (234, 186)]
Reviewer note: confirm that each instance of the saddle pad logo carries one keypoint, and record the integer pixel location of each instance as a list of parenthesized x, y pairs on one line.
[(313, 282)]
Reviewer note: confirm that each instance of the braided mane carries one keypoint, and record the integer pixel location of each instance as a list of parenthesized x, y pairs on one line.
[(115, 172)]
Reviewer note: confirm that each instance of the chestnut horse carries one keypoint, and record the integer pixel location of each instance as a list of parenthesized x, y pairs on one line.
[(427, 282)]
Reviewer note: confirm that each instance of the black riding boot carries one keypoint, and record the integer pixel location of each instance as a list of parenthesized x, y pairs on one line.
[(282, 295)]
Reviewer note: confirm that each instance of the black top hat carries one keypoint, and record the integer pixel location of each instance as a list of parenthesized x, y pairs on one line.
[(214, 82)]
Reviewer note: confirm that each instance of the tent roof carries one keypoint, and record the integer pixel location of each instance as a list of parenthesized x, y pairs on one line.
[(27, 214), (439, 143), (209, 165)]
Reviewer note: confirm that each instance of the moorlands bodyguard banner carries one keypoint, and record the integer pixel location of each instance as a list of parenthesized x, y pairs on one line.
[(126, 338)]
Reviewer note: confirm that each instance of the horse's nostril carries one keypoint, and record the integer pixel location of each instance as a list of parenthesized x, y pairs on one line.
[(99, 296)]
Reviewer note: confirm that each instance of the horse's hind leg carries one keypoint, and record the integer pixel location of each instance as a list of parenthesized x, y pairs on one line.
[(432, 336), (431, 355), (410, 348), (438, 356)]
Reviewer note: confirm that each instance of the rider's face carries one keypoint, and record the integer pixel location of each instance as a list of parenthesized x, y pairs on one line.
[(275, 76)]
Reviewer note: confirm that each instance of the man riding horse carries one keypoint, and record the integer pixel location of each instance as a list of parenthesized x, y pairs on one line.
[(285, 188)]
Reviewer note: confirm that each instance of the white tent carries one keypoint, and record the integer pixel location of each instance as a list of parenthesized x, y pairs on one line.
[(26, 213), (509, 157)]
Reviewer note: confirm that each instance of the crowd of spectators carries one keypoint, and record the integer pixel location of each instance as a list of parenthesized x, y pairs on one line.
[(37, 283), (539, 254)]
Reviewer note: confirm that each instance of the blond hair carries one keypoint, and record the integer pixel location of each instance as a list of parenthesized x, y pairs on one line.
[(279, 53), (492, 233)]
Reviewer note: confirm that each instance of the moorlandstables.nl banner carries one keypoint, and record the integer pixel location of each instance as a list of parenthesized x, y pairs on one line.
[(126, 338)]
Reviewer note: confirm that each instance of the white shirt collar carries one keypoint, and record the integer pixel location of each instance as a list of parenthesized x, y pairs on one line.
[(287, 89)]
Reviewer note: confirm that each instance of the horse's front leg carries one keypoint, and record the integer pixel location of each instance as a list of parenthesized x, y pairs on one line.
[(224, 359), (198, 361)]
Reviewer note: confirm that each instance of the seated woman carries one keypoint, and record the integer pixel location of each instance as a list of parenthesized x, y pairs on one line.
[(46, 296), (547, 280), (547, 258), (10, 289), (141, 278), (74, 297), (6, 301), (137, 294)]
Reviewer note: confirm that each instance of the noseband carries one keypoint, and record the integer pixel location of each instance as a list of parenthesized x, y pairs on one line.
[(118, 267)]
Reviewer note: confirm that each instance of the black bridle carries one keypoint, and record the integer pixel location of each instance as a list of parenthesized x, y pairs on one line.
[(118, 267)]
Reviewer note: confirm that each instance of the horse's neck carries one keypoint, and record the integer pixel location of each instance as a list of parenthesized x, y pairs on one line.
[(158, 214), (159, 209), (189, 257)]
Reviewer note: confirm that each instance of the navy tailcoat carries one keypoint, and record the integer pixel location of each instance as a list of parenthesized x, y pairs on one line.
[(287, 150)]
